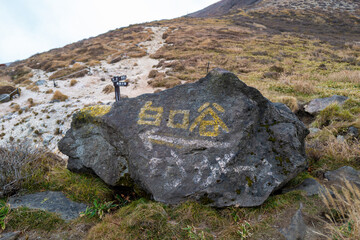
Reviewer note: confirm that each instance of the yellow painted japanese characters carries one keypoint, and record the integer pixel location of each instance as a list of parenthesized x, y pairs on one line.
[(149, 115), (185, 121), (209, 128), (146, 118)]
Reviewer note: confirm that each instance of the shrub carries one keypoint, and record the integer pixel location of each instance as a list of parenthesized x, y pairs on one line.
[(108, 89), (59, 96), (153, 73), (19, 162), (73, 82)]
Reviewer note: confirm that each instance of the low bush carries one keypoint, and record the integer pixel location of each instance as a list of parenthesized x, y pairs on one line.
[(20, 163), (108, 89), (59, 96), (73, 82)]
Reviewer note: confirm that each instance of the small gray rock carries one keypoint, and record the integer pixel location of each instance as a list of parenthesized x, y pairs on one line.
[(340, 138), (310, 186), (353, 132), (314, 130), (40, 82), (47, 139), (346, 172), (297, 228), (9, 236), (55, 202), (319, 104)]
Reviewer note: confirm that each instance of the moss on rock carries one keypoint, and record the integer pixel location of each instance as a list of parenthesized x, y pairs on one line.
[(90, 114)]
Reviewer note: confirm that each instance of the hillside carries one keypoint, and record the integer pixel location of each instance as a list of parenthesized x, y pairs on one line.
[(291, 51)]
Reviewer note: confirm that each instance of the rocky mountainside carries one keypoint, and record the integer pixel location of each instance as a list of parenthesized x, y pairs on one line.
[(305, 54), (225, 7)]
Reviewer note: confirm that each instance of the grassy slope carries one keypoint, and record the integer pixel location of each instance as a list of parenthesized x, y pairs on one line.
[(267, 51)]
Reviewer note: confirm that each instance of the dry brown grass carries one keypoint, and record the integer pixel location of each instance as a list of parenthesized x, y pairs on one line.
[(161, 81), (6, 81), (344, 76), (343, 211), (49, 91), (73, 82), (304, 87), (326, 150), (108, 89), (59, 96), (153, 73), (32, 87), (289, 101), (76, 70)]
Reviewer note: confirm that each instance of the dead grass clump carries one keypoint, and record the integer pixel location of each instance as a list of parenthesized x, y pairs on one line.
[(6, 81), (15, 106), (303, 87), (73, 82), (168, 82), (49, 91), (344, 76), (31, 102), (59, 96), (108, 89), (76, 71), (19, 163), (326, 151), (33, 88), (343, 207), (153, 73), (291, 102)]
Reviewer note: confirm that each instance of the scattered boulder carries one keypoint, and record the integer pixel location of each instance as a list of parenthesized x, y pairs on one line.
[(310, 185), (344, 173), (55, 202), (353, 132), (317, 105), (40, 82), (314, 130), (216, 140), (297, 229)]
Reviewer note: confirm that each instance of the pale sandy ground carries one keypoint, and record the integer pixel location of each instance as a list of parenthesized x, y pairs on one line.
[(46, 117)]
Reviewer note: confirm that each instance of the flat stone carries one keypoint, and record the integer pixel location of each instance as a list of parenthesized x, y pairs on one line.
[(55, 202), (217, 141), (353, 132), (344, 173), (319, 104), (309, 185), (314, 130), (40, 82)]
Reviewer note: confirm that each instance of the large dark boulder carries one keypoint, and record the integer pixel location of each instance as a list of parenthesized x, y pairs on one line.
[(216, 140)]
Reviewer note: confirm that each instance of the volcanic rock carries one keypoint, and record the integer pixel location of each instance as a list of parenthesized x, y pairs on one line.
[(216, 140), (319, 104)]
